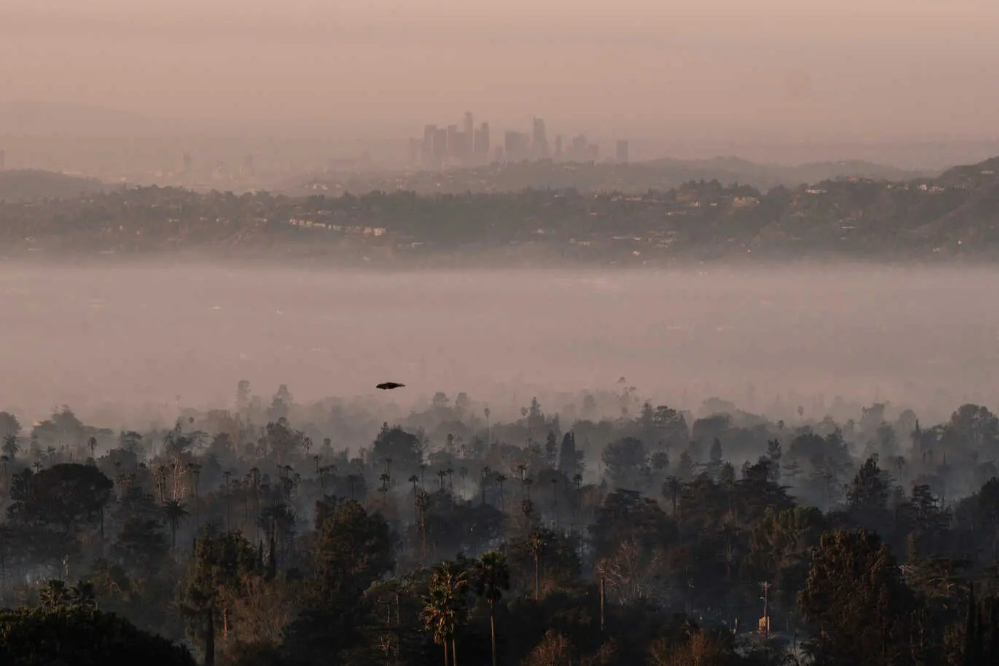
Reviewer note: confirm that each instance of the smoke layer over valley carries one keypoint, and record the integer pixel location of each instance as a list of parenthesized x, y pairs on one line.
[(122, 344)]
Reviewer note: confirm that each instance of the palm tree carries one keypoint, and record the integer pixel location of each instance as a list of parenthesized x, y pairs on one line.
[(672, 488), (444, 608), (486, 474), (555, 499), (536, 544), (175, 512), (414, 480), (500, 480), (421, 510), (54, 594), (491, 578), (83, 595), (441, 474), (487, 413)]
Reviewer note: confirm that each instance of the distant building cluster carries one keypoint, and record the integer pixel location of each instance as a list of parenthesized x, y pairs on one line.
[(468, 145)]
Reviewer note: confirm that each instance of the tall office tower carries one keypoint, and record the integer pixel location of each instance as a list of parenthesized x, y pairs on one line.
[(452, 141), (481, 147), (558, 146), (462, 146), (3, 159), (248, 168), (623, 150), (185, 162), (539, 147), (469, 129), (415, 151), (440, 146), (429, 132), (517, 146)]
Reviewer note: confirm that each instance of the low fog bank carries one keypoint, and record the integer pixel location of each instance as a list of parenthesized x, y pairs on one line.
[(127, 345)]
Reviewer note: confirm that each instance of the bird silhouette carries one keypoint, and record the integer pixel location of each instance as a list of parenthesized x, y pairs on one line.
[(389, 385)]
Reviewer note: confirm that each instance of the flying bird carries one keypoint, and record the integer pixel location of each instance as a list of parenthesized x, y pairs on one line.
[(389, 385)]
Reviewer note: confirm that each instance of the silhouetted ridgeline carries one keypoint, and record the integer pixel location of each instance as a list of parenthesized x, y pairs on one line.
[(29, 185), (950, 217)]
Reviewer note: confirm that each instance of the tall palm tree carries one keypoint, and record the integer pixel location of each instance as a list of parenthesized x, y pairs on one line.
[(500, 480), (444, 608), (672, 489), (491, 577), (421, 510), (555, 499), (175, 512), (486, 474), (536, 544)]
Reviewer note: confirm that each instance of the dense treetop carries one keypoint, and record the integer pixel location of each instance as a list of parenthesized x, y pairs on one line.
[(613, 533)]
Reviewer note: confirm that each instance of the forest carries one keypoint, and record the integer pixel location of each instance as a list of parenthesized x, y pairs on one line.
[(947, 218), (634, 534)]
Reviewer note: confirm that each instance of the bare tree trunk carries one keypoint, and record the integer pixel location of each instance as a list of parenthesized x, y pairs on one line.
[(210, 640), (454, 653), (492, 628), (537, 578)]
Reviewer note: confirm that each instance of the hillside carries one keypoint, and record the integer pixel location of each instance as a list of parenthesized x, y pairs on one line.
[(22, 186), (954, 217), (635, 178)]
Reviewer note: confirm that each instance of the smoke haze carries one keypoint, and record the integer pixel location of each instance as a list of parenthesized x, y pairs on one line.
[(794, 71), (136, 337)]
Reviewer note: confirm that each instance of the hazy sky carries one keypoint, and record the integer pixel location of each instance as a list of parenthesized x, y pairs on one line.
[(785, 69)]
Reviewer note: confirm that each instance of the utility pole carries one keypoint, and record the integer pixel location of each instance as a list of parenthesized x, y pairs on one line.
[(603, 580), (766, 609)]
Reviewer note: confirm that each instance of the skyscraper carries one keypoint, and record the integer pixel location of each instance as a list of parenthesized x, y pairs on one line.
[(429, 132), (623, 151), (440, 145), (452, 141), (481, 147), (469, 127), (558, 146), (3, 159), (516, 146), (539, 147)]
